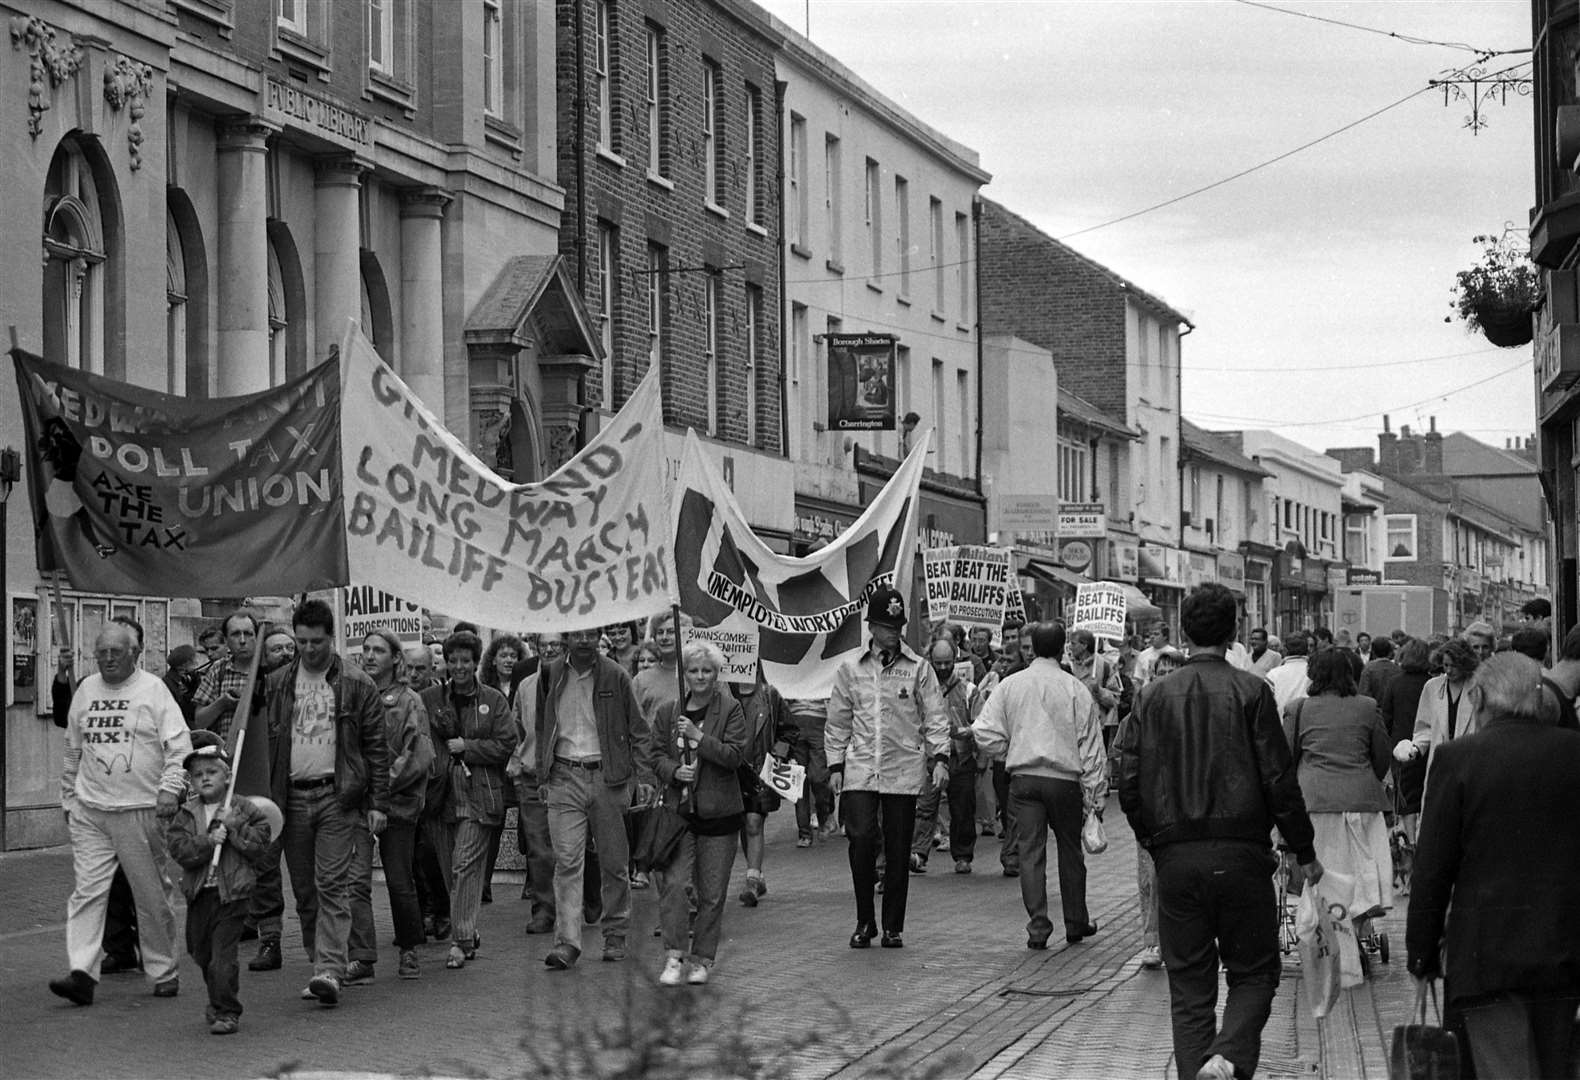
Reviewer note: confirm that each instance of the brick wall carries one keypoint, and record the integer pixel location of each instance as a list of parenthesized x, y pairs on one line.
[(675, 215), (1041, 291)]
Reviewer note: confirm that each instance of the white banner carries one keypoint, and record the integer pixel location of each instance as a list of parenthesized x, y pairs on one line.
[(1100, 608), (426, 519), (807, 611)]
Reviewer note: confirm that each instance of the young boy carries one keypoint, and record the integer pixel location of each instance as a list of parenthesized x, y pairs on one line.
[(216, 894)]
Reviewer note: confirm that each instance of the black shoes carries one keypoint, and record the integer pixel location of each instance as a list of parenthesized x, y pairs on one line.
[(116, 965), (862, 938), (268, 958), (1079, 933), (1038, 933), (892, 940), (76, 988)]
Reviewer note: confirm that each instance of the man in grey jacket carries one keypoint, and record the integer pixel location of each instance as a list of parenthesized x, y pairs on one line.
[(1049, 729)]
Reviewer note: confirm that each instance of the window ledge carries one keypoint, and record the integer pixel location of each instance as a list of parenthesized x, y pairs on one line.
[(386, 87), (964, 328), (904, 299), (293, 46), (834, 266), (801, 251), (502, 134), (939, 317), (660, 181), (716, 210), (610, 156), (874, 286), (753, 227), (219, 12)]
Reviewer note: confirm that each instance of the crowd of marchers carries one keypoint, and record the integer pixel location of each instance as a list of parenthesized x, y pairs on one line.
[(634, 764)]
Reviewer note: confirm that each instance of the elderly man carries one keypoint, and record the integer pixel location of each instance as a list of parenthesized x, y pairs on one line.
[(1047, 726), (887, 726), (122, 778)]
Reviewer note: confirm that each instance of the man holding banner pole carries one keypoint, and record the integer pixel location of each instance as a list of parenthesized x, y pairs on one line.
[(887, 727)]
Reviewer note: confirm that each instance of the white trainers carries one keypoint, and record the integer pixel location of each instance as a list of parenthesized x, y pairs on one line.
[(673, 970), (698, 975), (1217, 1068), (1151, 958)]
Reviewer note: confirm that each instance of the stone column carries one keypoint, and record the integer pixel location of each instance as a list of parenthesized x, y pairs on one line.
[(337, 251), (422, 293), (242, 337)]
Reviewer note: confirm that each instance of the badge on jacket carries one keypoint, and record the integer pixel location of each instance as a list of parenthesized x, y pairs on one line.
[(483, 708)]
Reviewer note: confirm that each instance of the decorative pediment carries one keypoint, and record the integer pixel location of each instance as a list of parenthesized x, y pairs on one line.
[(533, 300)]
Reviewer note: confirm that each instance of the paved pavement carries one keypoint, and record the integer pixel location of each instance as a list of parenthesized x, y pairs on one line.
[(965, 998)]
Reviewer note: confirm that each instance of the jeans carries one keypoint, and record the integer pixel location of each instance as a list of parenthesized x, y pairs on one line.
[(580, 802), (1215, 901), (704, 862), (397, 844), (134, 840), (266, 906), (962, 795), (473, 841), (431, 865), (213, 933), (861, 811), (320, 853), (816, 793), (363, 943), (532, 826), (1147, 890), (1041, 803)]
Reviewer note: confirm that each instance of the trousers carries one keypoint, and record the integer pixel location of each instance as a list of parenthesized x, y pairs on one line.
[(861, 811), (320, 854), (213, 934), (962, 796), (473, 841), (704, 863), (1041, 803), (580, 802), (1216, 903), (133, 840)]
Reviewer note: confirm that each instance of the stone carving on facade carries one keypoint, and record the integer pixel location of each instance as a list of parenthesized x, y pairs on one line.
[(562, 445), (128, 84), (493, 430), (50, 63)]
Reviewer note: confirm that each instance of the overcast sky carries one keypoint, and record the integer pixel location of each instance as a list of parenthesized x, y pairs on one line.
[(1318, 285)]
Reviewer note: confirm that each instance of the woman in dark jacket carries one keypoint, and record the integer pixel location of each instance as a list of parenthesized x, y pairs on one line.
[(769, 730), (1399, 705), (699, 743), (1341, 754), (1500, 844)]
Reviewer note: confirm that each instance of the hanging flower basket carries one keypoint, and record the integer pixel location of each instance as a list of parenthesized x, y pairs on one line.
[(1500, 294)]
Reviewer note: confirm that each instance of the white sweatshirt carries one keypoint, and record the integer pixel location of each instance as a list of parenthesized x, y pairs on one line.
[(124, 744)]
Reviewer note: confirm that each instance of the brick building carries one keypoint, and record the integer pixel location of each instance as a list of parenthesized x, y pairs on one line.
[(1116, 347), (667, 151)]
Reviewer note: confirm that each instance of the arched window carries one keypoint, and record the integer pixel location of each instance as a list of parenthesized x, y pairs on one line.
[(175, 309), (378, 323), (277, 320), (75, 254), (288, 356), (187, 300)]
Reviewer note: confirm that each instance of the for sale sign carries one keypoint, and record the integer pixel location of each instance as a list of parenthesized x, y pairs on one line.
[(1082, 521)]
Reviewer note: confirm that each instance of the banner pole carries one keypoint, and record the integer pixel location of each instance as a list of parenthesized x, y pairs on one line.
[(241, 721), (680, 667)]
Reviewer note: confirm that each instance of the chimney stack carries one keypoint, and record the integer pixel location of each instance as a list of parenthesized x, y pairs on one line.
[(1386, 428)]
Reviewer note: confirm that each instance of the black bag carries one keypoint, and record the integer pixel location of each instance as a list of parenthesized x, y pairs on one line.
[(658, 838), (1424, 1051)]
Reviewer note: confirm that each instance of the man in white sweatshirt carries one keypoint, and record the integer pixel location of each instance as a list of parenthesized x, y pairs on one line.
[(1046, 724), (122, 779)]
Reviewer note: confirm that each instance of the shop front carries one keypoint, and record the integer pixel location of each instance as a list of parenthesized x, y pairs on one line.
[(1162, 573), (1300, 586)]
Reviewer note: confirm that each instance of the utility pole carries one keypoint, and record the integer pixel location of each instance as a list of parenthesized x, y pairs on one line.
[(10, 473)]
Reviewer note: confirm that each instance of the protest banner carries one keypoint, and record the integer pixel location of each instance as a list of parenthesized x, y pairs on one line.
[(737, 639), (426, 519), (1100, 608), (807, 611), (149, 494), (361, 609), (969, 585)]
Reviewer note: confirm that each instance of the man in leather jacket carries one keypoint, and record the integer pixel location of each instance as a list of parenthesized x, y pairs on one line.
[(1205, 773)]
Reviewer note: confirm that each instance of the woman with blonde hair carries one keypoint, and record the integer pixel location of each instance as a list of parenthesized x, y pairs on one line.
[(699, 743)]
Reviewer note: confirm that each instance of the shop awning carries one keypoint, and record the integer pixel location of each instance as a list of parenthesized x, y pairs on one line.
[(1053, 574), (1137, 606)]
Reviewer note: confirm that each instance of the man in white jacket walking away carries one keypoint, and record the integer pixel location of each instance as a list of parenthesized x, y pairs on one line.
[(1046, 724)]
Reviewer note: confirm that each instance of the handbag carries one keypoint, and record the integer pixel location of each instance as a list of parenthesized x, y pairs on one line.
[(658, 838), (1092, 836), (1424, 1051)]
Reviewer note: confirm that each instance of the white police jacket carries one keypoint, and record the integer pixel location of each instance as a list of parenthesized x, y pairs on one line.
[(886, 724)]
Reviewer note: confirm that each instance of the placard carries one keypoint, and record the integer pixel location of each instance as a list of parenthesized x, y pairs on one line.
[(968, 585), (1100, 608), (786, 779), (738, 638)]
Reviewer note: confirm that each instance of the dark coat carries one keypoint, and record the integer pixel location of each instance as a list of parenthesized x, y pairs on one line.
[(1398, 706), (1500, 841), (624, 737), (362, 768), (716, 792)]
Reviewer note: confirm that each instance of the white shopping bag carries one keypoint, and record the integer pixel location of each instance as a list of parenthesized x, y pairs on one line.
[(1330, 956), (784, 778)]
